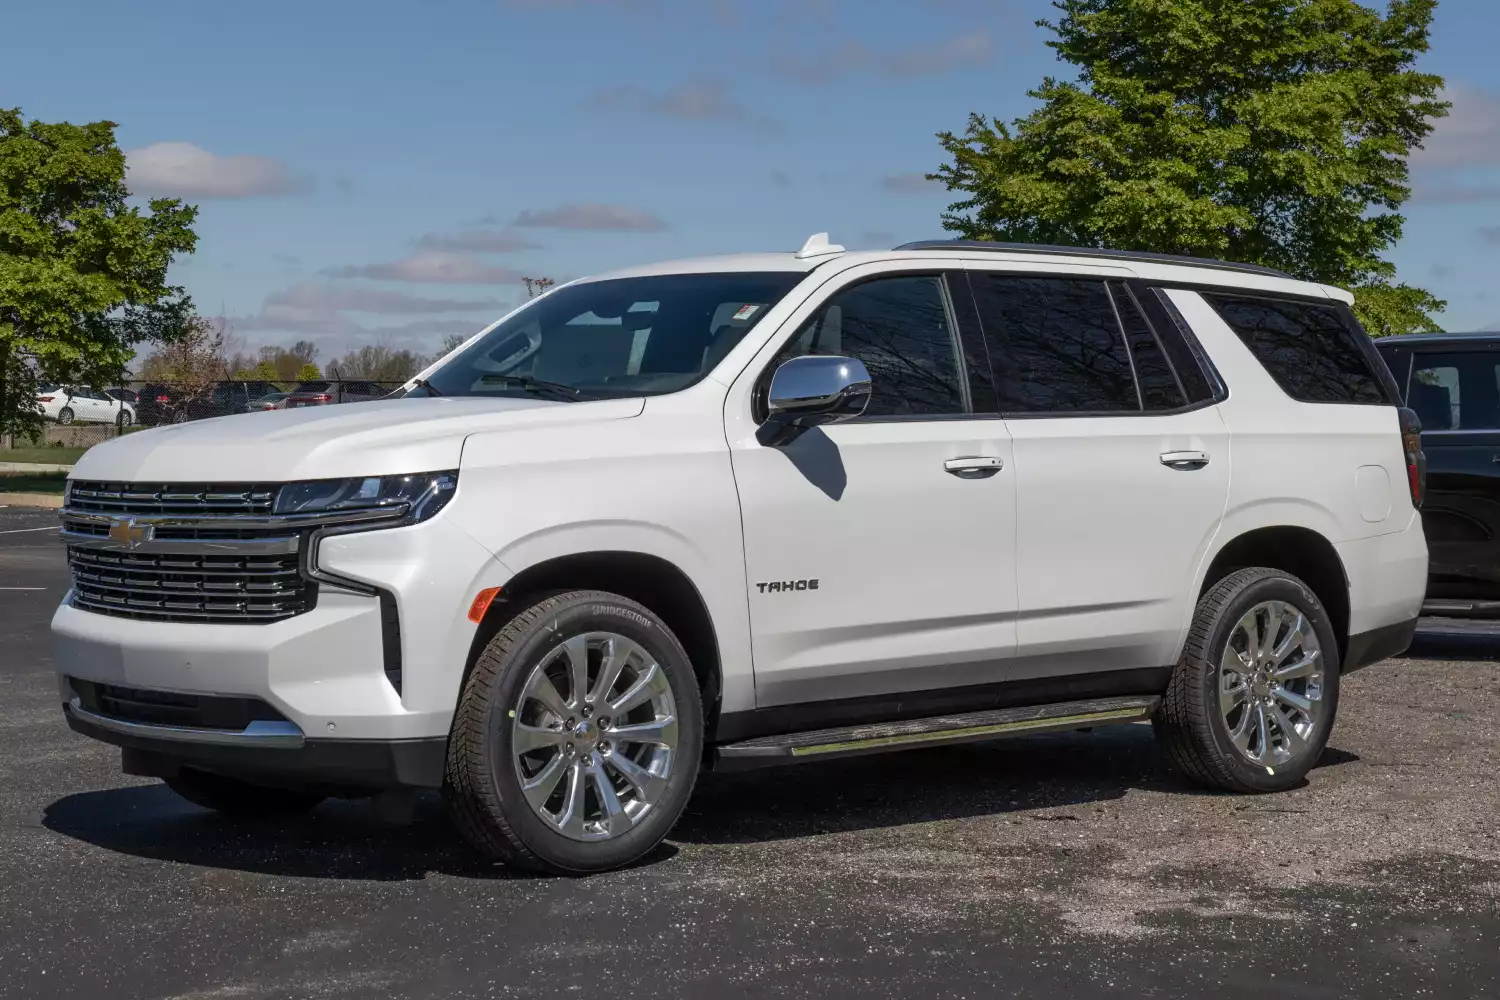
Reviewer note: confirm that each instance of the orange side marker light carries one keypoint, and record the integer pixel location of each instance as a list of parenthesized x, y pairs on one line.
[(481, 604)]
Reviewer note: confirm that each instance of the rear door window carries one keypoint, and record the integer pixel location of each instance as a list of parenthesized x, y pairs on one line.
[(1055, 344), (1312, 350), (1456, 390)]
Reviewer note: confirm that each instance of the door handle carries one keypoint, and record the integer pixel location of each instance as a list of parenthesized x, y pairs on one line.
[(1184, 459), (974, 467)]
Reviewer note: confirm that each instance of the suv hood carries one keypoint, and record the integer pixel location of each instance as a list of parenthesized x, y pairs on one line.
[(386, 437)]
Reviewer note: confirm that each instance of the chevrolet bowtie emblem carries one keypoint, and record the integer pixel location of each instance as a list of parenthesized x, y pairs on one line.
[(128, 533)]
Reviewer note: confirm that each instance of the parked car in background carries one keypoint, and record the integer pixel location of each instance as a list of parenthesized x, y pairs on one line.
[(155, 404), (226, 398), (270, 401), (123, 394), (166, 404), (324, 392), (1452, 382), (70, 404), (764, 509)]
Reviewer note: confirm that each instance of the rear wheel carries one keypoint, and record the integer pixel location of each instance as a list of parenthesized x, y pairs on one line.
[(578, 737), (65, 415), (1253, 699), (234, 797), (124, 419)]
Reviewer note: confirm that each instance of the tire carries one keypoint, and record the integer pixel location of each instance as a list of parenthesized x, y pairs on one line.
[(123, 419), (233, 797), (65, 416), (504, 701), (1200, 724), (179, 417)]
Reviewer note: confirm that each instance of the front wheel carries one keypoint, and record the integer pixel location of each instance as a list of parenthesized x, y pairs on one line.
[(65, 415), (1252, 701), (124, 419), (578, 736)]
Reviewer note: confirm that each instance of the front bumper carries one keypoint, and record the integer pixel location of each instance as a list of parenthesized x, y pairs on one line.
[(361, 685), (276, 754)]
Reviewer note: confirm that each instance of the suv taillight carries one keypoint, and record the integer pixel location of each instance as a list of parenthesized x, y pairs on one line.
[(162, 399), (1416, 461)]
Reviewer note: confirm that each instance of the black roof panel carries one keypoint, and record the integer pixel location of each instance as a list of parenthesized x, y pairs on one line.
[(1143, 256), (1439, 338)]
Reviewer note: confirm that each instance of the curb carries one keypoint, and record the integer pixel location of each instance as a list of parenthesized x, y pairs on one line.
[(33, 467), (51, 500)]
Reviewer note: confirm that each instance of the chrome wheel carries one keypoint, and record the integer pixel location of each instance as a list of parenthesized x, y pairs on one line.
[(1271, 684), (594, 736)]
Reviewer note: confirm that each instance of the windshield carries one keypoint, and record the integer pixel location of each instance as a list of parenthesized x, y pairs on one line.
[(622, 337)]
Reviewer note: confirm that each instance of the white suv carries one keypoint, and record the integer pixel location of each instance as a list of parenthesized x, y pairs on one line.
[(758, 509)]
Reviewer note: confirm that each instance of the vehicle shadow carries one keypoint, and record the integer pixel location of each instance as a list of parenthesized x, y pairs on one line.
[(1052, 773), (344, 840)]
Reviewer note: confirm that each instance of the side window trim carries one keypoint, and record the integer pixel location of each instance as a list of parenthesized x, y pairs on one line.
[(762, 382), (1377, 364), (1155, 337), (1179, 342), (1135, 374)]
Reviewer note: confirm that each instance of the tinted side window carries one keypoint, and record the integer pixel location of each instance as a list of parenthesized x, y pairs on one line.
[(899, 328), (1055, 345), (1159, 387), (1307, 347), (1456, 391)]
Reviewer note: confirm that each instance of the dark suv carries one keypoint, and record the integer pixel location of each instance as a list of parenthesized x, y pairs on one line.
[(324, 392), (1452, 381)]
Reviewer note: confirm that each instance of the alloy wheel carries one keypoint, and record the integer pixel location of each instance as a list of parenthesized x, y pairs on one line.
[(594, 736), (1271, 684)]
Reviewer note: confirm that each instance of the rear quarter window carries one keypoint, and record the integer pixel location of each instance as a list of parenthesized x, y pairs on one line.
[(1315, 352)]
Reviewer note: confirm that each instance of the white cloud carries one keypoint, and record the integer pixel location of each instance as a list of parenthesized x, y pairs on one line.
[(433, 267), (1469, 136), (972, 49), (1431, 190), (183, 170), (478, 241), (315, 308), (591, 216)]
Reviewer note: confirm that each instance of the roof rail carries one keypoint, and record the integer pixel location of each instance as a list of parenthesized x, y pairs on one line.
[(1141, 256)]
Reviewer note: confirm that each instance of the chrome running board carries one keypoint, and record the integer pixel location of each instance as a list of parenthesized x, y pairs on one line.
[(849, 741)]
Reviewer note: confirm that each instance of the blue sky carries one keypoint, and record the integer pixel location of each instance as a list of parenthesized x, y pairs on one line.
[(383, 171)]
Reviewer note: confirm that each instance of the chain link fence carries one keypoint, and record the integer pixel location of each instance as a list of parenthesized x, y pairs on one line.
[(79, 417)]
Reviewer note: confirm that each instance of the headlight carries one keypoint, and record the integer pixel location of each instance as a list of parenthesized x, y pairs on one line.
[(425, 493)]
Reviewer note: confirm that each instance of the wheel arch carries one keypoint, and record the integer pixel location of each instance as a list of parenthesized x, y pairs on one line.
[(651, 580), (1301, 551)]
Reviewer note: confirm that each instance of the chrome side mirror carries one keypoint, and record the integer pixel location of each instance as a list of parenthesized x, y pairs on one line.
[(812, 390)]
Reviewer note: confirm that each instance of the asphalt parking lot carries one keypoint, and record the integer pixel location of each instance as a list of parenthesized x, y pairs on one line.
[(1051, 866)]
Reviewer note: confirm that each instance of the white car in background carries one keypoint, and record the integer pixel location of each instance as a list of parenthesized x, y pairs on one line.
[(68, 404)]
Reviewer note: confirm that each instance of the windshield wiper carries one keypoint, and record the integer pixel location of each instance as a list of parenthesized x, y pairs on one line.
[(422, 383), (558, 390)]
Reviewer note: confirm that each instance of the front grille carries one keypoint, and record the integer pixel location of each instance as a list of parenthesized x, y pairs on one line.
[(172, 708), (189, 587), (171, 498), (100, 529)]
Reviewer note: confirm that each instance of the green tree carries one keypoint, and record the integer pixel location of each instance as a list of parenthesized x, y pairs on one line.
[(308, 373), (264, 371), (1273, 132), (82, 274)]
